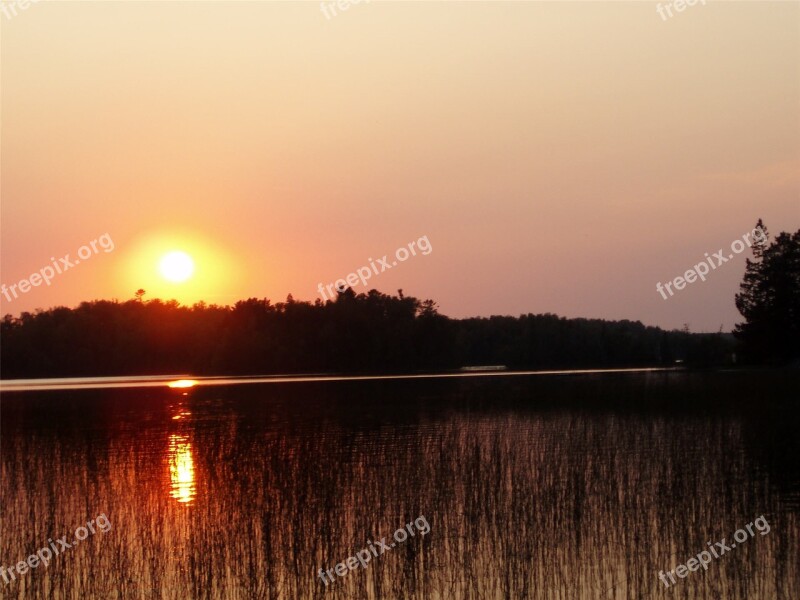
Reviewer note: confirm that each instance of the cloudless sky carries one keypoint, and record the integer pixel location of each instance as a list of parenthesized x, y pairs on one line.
[(560, 156)]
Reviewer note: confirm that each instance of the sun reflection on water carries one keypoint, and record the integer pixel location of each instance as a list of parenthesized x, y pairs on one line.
[(181, 469), (182, 383)]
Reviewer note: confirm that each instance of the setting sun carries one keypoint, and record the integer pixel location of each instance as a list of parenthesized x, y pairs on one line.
[(181, 265), (176, 267)]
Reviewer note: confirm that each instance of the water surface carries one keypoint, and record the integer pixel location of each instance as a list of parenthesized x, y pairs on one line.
[(562, 486)]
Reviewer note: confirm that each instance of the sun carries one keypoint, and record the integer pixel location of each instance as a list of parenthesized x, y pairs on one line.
[(176, 266)]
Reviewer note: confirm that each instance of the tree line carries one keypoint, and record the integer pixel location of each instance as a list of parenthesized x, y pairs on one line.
[(375, 332), (355, 333)]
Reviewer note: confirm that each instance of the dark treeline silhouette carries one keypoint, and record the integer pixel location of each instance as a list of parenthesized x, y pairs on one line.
[(769, 300), (365, 333)]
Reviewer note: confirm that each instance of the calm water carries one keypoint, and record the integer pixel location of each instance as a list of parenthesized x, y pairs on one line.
[(557, 487)]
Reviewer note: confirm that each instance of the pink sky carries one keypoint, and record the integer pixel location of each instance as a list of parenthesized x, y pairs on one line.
[(560, 156)]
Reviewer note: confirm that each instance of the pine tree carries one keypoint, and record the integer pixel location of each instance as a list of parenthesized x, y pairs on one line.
[(769, 300)]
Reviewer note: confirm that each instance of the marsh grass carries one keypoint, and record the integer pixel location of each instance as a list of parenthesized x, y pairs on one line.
[(567, 489)]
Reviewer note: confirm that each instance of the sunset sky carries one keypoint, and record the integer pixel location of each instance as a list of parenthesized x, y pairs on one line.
[(560, 157)]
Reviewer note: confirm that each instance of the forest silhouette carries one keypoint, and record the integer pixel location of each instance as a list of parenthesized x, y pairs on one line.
[(375, 332), (355, 333)]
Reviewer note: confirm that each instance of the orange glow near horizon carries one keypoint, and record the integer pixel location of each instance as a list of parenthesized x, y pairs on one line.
[(181, 266)]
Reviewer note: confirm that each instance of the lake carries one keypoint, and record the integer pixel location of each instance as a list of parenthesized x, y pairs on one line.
[(555, 486)]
